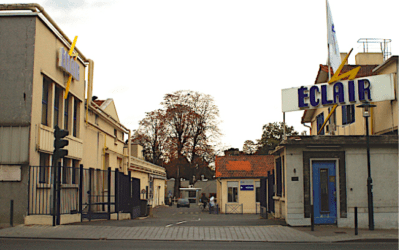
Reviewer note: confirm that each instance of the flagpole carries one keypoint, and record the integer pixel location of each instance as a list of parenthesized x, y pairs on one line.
[(327, 40)]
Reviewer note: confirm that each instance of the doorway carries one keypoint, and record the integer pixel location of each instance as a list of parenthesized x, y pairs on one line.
[(324, 192)]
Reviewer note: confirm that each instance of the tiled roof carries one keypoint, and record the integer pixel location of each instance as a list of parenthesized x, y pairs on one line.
[(365, 70), (243, 166), (99, 102)]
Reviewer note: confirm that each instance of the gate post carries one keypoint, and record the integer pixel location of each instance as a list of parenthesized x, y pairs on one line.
[(90, 194), (109, 193), (116, 193), (130, 194), (80, 189), (54, 201), (58, 193)]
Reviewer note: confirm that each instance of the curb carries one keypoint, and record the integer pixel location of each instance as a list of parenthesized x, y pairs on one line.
[(210, 240)]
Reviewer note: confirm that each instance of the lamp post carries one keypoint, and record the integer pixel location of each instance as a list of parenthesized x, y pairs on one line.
[(366, 113)]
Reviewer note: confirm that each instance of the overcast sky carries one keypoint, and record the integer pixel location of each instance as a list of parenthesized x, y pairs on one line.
[(240, 52)]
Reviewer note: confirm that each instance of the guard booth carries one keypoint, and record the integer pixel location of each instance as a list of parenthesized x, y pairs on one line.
[(191, 193)]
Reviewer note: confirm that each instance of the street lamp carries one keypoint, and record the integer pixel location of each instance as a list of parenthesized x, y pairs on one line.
[(366, 113)]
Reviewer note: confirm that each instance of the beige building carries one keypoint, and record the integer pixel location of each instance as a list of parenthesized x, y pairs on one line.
[(105, 147), (34, 77), (152, 177), (348, 119), (104, 137), (238, 181), (35, 69)]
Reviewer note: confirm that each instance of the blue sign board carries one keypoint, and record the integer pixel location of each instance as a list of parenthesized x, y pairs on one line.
[(246, 187)]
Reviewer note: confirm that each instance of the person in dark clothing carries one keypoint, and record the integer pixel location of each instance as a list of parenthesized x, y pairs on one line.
[(204, 200)]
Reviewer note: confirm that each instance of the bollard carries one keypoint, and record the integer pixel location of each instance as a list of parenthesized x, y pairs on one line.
[(355, 221), (12, 213), (312, 217)]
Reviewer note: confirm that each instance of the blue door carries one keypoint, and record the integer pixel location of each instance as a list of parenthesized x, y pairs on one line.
[(324, 192)]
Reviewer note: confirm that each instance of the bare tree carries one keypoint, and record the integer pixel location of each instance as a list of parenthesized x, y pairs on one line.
[(152, 135), (192, 119)]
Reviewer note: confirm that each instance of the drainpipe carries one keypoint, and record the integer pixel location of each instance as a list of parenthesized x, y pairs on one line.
[(89, 88), (129, 149), (307, 127), (104, 151)]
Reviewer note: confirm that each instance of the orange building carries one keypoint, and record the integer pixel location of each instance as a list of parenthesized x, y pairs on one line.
[(239, 181)]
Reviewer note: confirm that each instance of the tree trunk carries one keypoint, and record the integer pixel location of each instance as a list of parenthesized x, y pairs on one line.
[(177, 185)]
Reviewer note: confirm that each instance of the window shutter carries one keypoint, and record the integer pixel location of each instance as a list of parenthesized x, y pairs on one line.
[(344, 114)]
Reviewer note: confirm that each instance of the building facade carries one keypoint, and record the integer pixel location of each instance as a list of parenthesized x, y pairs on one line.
[(239, 181), (152, 177), (348, 119), (327, 173), (31, 99), (35, 70)]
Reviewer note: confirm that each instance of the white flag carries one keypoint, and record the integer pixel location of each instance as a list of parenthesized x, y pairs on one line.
[(334, 53)]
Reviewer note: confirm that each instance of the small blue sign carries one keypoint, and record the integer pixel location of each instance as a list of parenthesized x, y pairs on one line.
[(246, 187)]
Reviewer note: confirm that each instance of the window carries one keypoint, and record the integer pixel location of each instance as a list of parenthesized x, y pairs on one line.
[(44, 168), (96, 119), (320, 122), (278, 177), (45, 99), (115, 136), (75, 131), (332, 121), (348, 114), (257, 191), (119, 161), (66, 171), (66, 110), (75, 172), (57, 93), (232, 191)]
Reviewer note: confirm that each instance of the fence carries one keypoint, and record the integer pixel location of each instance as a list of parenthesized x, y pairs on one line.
[(92, 192), (233, 208)]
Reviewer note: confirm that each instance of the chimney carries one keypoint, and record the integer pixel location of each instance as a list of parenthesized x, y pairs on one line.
[(342, 57), (369, 58)]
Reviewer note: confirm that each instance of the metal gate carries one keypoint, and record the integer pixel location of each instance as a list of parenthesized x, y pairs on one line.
[(97, 193), (127, 194), (271, 193), (94, 193)]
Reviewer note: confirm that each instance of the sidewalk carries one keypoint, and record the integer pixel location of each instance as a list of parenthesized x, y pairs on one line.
[(238, 233), (334, 234)]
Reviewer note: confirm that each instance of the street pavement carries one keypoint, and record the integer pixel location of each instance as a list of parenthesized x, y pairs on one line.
[(172, 224)]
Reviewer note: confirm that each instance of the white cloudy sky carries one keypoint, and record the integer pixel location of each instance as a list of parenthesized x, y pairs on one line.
[(239, 51)]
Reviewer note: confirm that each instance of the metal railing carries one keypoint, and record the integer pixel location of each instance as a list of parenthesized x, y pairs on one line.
[(40, 190), (232, 208)]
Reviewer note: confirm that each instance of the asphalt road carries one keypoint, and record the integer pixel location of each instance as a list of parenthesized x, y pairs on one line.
[(6, 244), (193, 216)]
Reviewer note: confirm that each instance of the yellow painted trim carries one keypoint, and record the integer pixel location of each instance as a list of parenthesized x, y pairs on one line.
[(73, 46), (70, 76), (67, 88)]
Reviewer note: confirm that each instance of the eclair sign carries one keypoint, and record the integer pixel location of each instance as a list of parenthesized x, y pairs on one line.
[(373, 89), (68, 64)]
